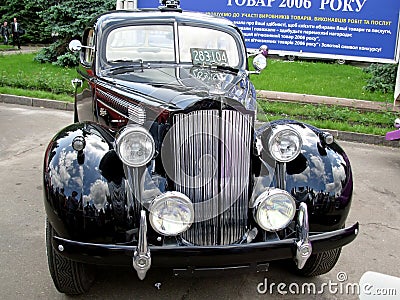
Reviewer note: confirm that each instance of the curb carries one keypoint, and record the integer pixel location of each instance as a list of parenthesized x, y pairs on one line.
[(314, 99), (339, 135), (363, 138), (36, 102)]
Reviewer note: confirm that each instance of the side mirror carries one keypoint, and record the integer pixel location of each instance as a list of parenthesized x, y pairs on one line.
[(75, 46), (263, 50), (259, 62)]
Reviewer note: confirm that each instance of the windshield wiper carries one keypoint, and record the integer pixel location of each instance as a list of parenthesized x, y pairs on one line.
[(227, 68), (123, 67)]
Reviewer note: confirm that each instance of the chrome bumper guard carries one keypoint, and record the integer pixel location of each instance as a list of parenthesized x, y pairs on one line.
[(304, 248), (141, 256)]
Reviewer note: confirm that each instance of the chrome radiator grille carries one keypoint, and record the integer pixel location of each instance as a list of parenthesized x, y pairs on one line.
[(211, 163)]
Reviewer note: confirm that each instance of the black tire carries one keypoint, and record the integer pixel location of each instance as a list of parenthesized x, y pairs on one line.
[(320, 263), (69, 277), (291, 57)]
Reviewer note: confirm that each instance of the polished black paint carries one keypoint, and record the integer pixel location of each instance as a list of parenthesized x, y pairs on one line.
[(321, 176), (158, 87), (89, 200), (85, 196)]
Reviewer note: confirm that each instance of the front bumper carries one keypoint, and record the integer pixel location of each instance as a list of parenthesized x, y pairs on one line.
[(202, 256)]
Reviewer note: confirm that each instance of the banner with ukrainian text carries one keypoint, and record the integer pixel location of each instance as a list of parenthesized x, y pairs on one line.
[(358, 28)]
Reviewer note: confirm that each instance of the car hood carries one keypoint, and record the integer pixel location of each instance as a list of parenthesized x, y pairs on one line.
[(180, 87)]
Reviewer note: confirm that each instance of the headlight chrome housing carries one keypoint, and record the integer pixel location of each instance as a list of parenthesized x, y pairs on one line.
[(135, 146), (274, 209), (171, 213), (285, 143)]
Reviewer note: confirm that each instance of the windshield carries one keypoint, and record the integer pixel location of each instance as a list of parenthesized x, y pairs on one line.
[(156, 43), (207, 46), (146, 43)]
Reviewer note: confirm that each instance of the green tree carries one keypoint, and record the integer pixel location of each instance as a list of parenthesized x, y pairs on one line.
[(27, 13), (66, 20)]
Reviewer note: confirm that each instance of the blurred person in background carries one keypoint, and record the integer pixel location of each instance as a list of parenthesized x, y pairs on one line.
[(16, 31), (5, 32)]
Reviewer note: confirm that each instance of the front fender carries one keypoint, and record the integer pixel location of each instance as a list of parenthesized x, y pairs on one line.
[(82, 196), (320, 176)]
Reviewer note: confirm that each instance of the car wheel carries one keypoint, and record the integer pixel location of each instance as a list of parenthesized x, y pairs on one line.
[(69, 277), (291, 57), (320, 263)]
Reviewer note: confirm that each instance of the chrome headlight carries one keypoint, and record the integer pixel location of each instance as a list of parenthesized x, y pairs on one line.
[(285, 143), (274, 209), (171, 213), (135, 146)]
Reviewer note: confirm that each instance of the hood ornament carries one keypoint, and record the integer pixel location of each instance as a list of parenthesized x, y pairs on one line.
[(170, 3), (127, 5)]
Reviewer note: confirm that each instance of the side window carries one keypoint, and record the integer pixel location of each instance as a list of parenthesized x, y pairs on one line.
[(87, 54)]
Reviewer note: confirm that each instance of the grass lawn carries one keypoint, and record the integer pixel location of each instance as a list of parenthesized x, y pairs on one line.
[(317, 78), (322, 116), (36, 94), (305, 77), (21, 75)]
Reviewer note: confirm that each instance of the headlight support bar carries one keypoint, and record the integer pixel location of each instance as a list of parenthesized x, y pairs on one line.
[(280, 174)]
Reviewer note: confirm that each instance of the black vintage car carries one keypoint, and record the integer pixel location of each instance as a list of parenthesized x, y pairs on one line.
[(163, 166)]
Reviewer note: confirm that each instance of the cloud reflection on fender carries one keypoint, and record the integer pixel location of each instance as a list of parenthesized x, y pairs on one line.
[(67, 174), (63, 172), (325, 169)]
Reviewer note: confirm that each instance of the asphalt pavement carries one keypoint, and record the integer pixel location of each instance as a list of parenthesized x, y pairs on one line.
[(25, 134)]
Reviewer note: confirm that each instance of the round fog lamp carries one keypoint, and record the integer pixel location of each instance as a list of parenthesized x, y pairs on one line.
[(78, 143), (274, 209), (135, 146), (171, 213), (285, 144)]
